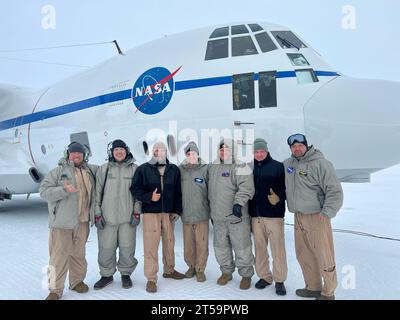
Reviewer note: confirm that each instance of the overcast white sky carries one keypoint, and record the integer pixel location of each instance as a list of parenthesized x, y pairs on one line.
[(369, 49)]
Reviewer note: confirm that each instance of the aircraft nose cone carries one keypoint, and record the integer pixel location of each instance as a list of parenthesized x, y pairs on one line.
[(356, 122)]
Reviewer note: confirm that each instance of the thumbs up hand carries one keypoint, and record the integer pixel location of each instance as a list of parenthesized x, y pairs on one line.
[(273, 198), (69, 187), (155, 196)]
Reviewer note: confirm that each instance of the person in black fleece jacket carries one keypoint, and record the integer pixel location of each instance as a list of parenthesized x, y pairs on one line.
[(157, 184), (267, 209)]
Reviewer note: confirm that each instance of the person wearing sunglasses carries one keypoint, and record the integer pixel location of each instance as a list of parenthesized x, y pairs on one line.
[(314, 195)]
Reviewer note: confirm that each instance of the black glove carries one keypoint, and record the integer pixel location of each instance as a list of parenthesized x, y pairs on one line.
[(174, 217), (237, 210), (99, 222)]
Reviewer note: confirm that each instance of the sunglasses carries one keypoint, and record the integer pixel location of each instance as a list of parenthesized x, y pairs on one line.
[(298, 137)]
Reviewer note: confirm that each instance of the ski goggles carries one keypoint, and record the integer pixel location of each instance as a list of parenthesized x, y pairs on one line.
[(297, 137)]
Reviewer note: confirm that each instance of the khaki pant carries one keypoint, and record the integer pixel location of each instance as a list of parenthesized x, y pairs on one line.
[(156, 226), (195, 244), (272, 231), (315, 252), (67, 253)]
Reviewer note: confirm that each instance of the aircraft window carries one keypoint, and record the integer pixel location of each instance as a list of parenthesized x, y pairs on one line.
[(255, 27), (239, 29), (243, 91), (171, 144), (306, 76), (243, 46), (82, 138), (265, 42), (145, 148), (35, 175), (220, 32), (297, 59), (217, 49), (287, 39), (267, 89)]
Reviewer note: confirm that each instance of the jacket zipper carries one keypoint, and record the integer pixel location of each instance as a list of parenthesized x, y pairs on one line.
[(294, 186), (162, 188), (191, 190), (119, 168), (258, 184), (56, 207)]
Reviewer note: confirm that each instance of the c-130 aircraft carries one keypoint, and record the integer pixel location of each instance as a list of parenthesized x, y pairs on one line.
[(248, 79)]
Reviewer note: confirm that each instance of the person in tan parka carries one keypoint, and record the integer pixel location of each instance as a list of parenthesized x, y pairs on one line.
[(70, 192), (196, 212), (314, 195)]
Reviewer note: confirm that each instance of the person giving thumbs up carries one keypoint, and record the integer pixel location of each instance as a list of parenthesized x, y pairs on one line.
[(273, 198)]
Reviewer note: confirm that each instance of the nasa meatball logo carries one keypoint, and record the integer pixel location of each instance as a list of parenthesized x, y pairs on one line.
[(153, 90)]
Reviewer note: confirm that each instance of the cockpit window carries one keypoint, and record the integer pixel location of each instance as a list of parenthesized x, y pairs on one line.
[(243, 46), (220, 32), (265, 42), (287, 40), (255, 27), (242, 40), (297, 59), (243, 91), (306, 76), (217, 49), (239, 29), (267, 89)]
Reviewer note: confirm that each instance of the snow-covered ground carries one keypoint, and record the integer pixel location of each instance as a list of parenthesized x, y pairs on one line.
[(368, 268)]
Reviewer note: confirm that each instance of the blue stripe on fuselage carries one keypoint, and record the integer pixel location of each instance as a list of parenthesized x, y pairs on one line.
[(127, 94), (67, 108)]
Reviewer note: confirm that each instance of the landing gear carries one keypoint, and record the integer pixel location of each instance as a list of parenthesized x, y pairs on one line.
[(5, 196)]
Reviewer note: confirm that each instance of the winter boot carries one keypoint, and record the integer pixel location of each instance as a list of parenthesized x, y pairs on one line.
[(126, 281), (151, 287), (190, 273), (81, 287), (200, 276), (103, 282), (174, 275), (53, 296), (280, 289), (261, 284), (245, 283), (224, 278), (305, 293)]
